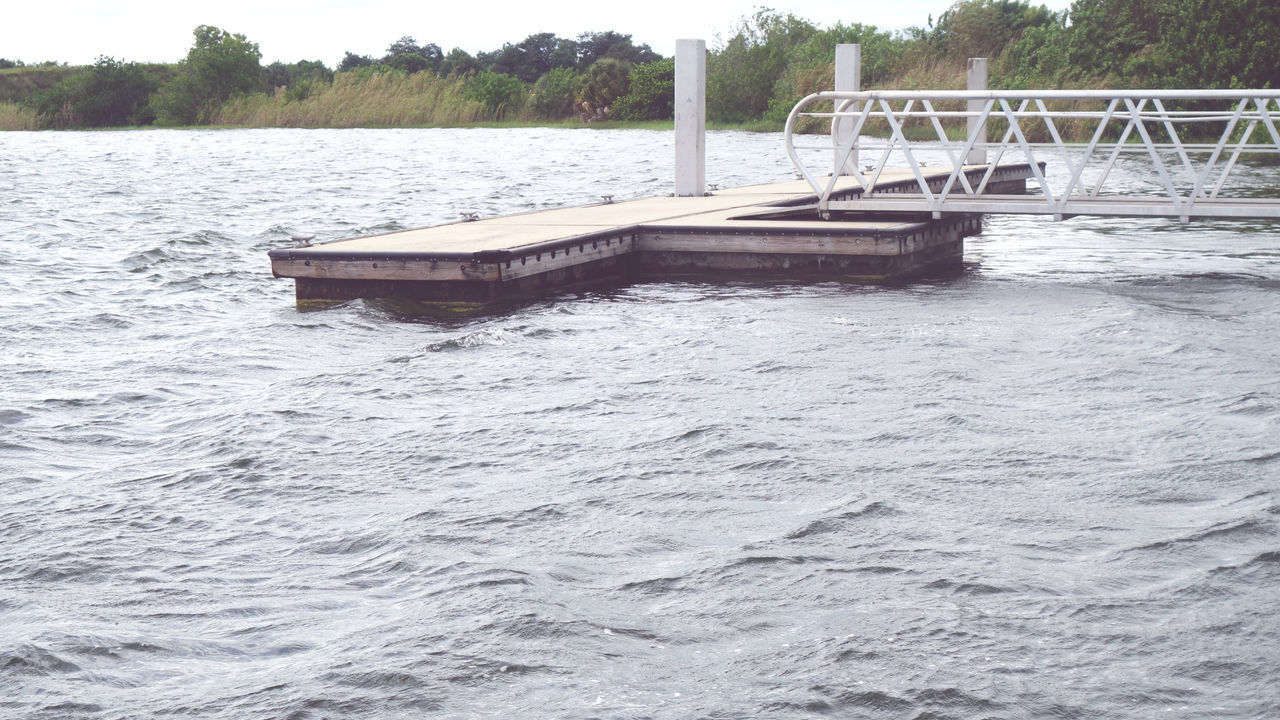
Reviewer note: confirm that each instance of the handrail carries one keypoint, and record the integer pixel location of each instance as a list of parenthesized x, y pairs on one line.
[(1174, 128)]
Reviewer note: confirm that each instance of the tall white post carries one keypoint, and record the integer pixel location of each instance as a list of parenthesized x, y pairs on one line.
[(848, 78), (977, 81), (691, 118)]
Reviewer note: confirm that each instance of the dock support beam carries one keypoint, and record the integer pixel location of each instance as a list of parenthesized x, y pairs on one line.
[(977, 81), (691, 118), (848, 79)]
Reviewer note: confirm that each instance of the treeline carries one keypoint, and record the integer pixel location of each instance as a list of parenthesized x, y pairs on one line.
[(769, 61), (222, 81)]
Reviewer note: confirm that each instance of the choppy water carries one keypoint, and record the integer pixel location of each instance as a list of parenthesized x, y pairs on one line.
[(1045, 489)]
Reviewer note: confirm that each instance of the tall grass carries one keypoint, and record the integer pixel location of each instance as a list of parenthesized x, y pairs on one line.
[(16, 117), (359, 100)]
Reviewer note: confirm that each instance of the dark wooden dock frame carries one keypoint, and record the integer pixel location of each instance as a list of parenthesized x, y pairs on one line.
[(760, 231)]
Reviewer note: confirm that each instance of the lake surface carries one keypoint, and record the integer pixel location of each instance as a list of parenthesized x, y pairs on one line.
[(1047, 488)]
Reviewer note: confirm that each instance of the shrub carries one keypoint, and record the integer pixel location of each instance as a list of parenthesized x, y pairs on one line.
[(651, 95), (500, 94), (553, 95), (111, 93)]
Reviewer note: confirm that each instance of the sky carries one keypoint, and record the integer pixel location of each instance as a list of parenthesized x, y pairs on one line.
[(79, 31)]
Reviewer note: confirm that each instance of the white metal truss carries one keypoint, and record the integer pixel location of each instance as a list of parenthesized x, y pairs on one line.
[(1192, 140)]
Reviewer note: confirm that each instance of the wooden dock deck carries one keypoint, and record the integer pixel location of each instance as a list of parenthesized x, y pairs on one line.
[(744, 231)]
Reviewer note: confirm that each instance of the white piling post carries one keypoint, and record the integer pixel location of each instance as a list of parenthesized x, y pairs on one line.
[(977, 81), (691, 118), (848, 79)]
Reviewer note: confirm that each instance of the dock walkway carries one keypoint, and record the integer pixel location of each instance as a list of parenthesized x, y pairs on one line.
[(770, 228)]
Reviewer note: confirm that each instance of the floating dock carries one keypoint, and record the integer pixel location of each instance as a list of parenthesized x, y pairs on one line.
[(769, 230)]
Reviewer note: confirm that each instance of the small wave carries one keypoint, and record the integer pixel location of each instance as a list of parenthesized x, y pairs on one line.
[(1233, 529), (1265, 458), (481, 338), (774, 560), (839, 700), (1264, 561), (13, 417), (767, 464), (838, 522), (979, 589), (549, 512), (655, 586), (948, 700), (691, 435), (142, 261), (34, 660), (1251, 403), (377, 680), (880, 570), (483, 580), (345, 546)]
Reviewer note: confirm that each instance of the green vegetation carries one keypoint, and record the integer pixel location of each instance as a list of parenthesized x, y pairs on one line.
[(16, 117), (218, 66), (362, 98), (109, 94), (651, 94), (501, 94), (768, 62), (553, 96), (19, 82), (605, 81)]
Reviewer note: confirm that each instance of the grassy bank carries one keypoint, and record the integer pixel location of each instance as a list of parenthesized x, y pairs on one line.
[(18, 84)]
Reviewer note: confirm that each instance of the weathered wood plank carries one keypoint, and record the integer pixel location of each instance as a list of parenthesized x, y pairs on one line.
[(676, 240), (525, 264), (385, 269)]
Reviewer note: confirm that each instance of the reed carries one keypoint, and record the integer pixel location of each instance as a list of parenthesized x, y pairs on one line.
[(359, 100), (17, 117)]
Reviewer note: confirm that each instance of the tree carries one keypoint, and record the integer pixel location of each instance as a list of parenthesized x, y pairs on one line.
[(1220, 44), (553, 95), (741, 74), (983, 28), (351, 61), (606, 80), (651, 95), (407, 55), (593, 46), (459, 62), (1111, 37), (281, 75), (533, 57), (811, 65), (218, 66), (409, 63), (404, 46)]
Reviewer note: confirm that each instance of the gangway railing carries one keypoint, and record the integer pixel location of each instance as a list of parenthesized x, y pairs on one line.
[(1195, 142)]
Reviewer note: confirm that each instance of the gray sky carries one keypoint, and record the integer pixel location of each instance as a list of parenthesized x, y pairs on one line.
[(78, 31)]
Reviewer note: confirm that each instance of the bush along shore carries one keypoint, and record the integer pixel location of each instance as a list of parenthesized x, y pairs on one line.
[(769, 61)]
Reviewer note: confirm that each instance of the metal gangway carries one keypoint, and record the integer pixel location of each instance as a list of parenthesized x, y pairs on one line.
[(1208, 153)]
